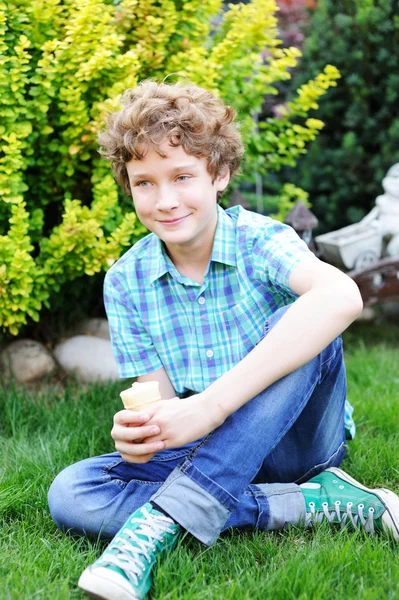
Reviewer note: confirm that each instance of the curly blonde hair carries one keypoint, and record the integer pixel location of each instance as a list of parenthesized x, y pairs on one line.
[(182, 114)]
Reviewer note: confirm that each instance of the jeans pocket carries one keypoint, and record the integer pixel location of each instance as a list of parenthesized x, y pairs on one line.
[(173, 454), (153, 472)]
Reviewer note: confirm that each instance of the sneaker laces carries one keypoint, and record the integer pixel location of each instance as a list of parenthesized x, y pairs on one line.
[(343, 517), (135, 547)]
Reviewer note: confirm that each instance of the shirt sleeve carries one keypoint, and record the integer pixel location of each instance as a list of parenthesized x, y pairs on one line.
[(132, 346), (277, 253)]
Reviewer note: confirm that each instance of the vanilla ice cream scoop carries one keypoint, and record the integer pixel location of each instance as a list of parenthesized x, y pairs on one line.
[(140, 395)]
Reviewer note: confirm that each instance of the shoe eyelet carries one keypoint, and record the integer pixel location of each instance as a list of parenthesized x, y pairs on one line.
[(324, 504), (341, 487), (350, 504), (337, 503), (312, 504), (371, 509), (360, 506)]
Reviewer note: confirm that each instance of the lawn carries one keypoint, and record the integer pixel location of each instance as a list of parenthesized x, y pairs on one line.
[(45, 428)]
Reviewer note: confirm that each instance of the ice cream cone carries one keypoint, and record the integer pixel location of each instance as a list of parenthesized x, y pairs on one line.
[(140, 395)]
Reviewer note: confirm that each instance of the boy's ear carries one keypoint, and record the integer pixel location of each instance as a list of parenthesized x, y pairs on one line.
[(223, 179)]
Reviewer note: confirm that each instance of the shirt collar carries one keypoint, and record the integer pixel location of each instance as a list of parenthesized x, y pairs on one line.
[(159, 265), (224, 244), (223, 251)]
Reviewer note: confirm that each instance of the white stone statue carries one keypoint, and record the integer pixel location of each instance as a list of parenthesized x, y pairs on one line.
[(362, 244), (388, 203)]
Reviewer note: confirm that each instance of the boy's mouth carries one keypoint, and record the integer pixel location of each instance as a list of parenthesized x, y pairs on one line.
[(173, 221)]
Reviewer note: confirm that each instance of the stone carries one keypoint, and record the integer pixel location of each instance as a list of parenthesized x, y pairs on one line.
[(96, 327), (88, 358), (26, 361)]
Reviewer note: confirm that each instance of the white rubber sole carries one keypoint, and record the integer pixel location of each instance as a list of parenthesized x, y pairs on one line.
[(102, 584), (390, 500)]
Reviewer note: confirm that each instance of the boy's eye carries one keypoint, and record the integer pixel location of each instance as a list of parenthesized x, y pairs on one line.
[(142, 183), (182, 177)]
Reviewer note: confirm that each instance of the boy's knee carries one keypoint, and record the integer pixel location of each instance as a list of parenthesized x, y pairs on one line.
[(64, 505), (80, 502)]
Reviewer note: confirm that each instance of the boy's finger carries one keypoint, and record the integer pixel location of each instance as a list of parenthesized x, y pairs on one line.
[(130, 417), (133, 434), (138, 459), (138, 449), (149, 439)]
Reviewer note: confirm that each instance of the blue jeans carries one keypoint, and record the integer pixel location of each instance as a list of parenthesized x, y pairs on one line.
[(244, 474)]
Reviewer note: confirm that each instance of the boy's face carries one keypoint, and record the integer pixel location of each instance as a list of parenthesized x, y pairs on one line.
[(175, 197)]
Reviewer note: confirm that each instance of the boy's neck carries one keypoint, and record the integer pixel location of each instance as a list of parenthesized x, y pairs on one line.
[(192, 258), (192, 262)]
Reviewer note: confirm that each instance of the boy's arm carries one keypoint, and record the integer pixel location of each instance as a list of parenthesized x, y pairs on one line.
[(165, 387), (329, 302)]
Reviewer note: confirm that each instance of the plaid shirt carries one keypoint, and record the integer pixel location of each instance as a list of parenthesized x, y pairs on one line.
[(159, 318), (197, 332)]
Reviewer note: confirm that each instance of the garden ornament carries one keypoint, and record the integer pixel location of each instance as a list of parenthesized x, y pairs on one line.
[(303, 221), (361, 245)]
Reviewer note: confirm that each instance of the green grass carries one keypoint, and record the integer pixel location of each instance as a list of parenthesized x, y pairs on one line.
[(45, 428)]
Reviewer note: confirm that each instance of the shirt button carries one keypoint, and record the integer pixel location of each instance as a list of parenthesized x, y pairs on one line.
[(201, 300), (209, 353)]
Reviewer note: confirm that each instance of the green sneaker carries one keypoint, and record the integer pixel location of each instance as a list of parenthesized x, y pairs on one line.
[(337, 497), (123, 571)]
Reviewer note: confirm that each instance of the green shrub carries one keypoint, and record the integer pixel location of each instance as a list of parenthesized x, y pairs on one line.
[(360, 141), (63, 67)]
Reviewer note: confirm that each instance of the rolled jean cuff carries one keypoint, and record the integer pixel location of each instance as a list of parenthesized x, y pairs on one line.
[(280, 505), (195, 502)]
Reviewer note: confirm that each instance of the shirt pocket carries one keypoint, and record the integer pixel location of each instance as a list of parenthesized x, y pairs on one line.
[(246, 321)]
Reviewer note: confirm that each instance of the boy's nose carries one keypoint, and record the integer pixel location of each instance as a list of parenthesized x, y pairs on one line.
[(166, 200)]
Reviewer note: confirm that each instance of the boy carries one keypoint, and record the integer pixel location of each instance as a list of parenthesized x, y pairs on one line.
[(240, 324)]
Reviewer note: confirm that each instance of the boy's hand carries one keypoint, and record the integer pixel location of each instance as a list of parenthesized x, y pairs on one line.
[(128, 432), (182, 421)]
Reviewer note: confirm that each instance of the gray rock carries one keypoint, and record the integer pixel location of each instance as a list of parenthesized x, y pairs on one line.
[(88, 358), (97, 327), (26, 361)]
